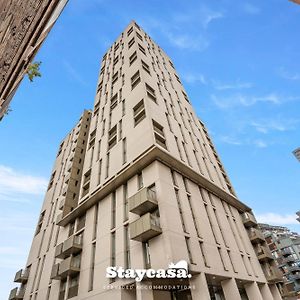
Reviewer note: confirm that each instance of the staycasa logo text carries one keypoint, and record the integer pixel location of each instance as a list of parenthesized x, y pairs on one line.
[(178, 270)]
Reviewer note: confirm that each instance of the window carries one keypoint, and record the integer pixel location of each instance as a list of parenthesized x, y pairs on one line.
[(178, 148), (159, 134), (132, 58), (150, 92), (180, 210), (139, 112), (185, 96), (139, 36), (130, 43), (135, 80), (126, 247), (171, 64), (114, 101), (125, 201), (99, 171), (145, 67), (103, 128), (203, 254), (124, 150), (112, 137), (187, 241), (146, 253), (51, 180), (92, 267), (120, 130), (80, 223), (107, 165), (113, 251), (129, 31), (123, 108), (142, 49), (116, 47), (115, 78), (140, 180), (116, 59), (177, 78), (113, 210)]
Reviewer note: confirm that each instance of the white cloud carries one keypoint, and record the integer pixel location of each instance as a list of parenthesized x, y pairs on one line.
[(238, 85), (277, 219), (251, 9), (14, 182), (264, 126), (210, 16), (260, 143), (194, 78), (185, 41), (289, 75), (249, 100), (230, 140)]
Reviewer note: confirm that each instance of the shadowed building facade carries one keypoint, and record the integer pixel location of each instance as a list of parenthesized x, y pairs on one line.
[(24, 25), (138, 184)]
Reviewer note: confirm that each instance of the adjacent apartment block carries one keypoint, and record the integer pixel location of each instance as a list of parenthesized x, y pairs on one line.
[(138, 184), (23, 28), (285, 247), (296, 152)]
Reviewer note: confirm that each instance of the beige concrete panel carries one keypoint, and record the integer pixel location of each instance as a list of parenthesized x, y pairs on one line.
[(253, 291), (230, 289), (199, 288), (265, 291)]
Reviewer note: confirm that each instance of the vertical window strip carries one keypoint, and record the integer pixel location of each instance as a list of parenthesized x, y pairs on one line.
[(211, 224), (193, 216), (203, 254), (125, 201), (113, 210), (95, 221), (92, 267), (188, 246), (127, 247), (180, 210)]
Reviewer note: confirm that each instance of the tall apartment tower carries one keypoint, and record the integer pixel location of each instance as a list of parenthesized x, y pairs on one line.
[(138, 184)]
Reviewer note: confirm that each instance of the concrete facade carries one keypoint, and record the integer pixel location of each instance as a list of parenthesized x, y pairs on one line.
[(24, 26), (138, 184)]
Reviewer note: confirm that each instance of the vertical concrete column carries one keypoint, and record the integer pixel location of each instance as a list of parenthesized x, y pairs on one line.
[(199, 288), (252, 291), (265, 292), (143, 292), (275, 292), (230, 289)]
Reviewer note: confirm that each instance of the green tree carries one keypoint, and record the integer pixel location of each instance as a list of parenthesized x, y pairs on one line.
[(33, 70)]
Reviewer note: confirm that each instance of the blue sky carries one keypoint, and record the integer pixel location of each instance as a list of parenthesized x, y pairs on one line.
[(240, 64)]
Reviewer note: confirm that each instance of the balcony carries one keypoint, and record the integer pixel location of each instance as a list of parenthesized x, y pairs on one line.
[(21, 276), (248, 219), (295, 276), (17, 294), (256, 236), (286, 251), (59, 218), (264, 254), (55, 272), (69, 266), (72, 245), (290, 259), (294, 269), (145, 228), (273, 275), (142, 202)]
